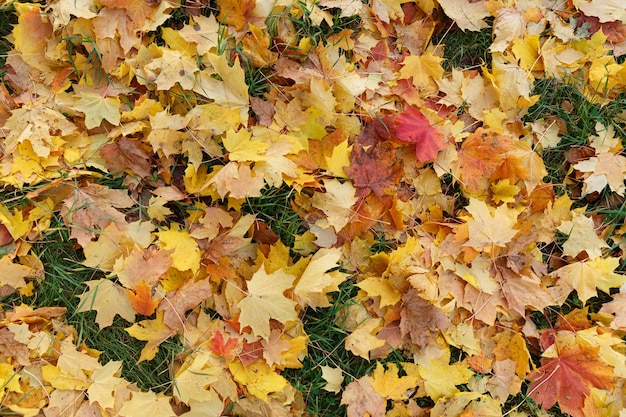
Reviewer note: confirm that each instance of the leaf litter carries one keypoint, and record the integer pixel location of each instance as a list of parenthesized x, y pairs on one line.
[(206, 111)]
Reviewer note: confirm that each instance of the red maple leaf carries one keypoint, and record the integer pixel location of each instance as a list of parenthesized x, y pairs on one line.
[(412, 126), (568, 378)]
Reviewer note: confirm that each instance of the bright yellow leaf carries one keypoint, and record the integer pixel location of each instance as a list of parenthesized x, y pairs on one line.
[(185, 252)]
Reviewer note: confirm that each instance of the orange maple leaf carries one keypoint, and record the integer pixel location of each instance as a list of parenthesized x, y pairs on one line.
[(141, 299), (221, 347)]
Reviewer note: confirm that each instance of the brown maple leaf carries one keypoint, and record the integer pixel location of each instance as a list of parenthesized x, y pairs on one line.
[(127, 154), (419, 319), (567, 378), (373, 166)]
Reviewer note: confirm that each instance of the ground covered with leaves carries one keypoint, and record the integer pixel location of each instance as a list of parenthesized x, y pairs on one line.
[(335, 207)]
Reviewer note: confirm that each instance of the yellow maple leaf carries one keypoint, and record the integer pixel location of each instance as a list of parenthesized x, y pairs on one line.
[(490, 227), (315, 282), (230, 90), (108, 299), (466, 14), (35, 124), (258, 378), (147, 404), (241, 147), (423, 69), (97, 108), (9, 378), (585, 277), (333, 377), (185, 252), (383, 288), (105, 380), (192, 381), (154, 332), (441, 377), (582, 236), (504, 191), (388, 384), (362, 340), (265, 300), (336, 202)]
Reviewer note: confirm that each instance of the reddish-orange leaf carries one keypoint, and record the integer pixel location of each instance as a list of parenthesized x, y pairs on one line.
[(568, 378), (412, 126), (221, 347), (141, 299), (481, 154)]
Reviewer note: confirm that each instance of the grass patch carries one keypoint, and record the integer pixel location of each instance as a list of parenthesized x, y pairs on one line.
[(465, 49), (275, 209), (327, 348)]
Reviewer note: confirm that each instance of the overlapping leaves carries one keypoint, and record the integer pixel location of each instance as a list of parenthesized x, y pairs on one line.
[(199, 114)]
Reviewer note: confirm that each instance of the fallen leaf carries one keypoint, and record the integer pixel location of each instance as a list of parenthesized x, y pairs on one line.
[(412, 126), (362, 399), (108, 299), (568, 377), (265, 300), (141, 299)]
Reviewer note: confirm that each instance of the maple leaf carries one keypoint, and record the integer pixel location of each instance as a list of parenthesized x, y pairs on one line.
[(204, 32), (441, 378), (154, 332), (604, 10), (259, 379), (185, 252), (490, 228), (221, 347), (105, 382), (618, 307), (230, 90), (127, 154), (419, 319), (94, 207), (605, 169), (97, 108), (108, 299), (568, 377), (147, 403), (187, 296), (265, 300), (374, 169), (193, 378), (388, 384), (481, 154), (336, 202), (412, 126), (466, 14), (582, 236), (361, 341), (13, 274), (141, 299), (315, 282), (586, 276), (362, 399), (333, 377), (37, 126)]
